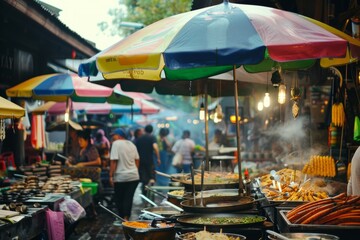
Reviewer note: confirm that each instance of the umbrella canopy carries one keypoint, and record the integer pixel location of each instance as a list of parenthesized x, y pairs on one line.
[(61, 87), (212, 40), (56, 108), (9, 109)]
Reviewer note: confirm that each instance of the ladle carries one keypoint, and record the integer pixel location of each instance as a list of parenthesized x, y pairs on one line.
[(152, 214), (148, 200), (173, 206), (117, 216), (277, 235)]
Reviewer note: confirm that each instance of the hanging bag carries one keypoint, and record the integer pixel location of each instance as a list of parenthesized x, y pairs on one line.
[(178, 158)]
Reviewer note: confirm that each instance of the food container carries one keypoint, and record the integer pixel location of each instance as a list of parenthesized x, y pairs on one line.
[(305, 236), (342, 232), (154, 231), (92, 185), (191, 236)]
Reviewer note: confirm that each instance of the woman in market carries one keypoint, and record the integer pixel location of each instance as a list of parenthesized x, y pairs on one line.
[(103, 145), (124, 175), (87, 155)]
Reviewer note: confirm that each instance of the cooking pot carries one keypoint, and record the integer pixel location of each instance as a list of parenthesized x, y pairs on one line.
[(155, 231), (304, 236)]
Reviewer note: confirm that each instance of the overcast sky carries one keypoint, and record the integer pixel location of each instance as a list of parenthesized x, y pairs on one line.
[(82, 16)]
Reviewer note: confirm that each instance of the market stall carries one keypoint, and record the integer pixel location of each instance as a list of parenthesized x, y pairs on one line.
[(25, 203)]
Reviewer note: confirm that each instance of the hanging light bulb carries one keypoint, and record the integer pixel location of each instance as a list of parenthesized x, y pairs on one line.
[(282, 93), (202, 112), (260, 106), (66, 117), (267, 100)]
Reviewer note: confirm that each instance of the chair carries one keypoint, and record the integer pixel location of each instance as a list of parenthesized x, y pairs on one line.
[(8, 157)]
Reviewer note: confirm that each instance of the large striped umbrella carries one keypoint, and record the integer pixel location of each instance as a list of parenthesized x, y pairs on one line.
[(213, 40), (66, 87), (63, 87)]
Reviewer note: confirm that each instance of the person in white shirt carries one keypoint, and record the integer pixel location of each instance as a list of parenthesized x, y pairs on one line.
[(186, 147), (353, 187), (124, 175)]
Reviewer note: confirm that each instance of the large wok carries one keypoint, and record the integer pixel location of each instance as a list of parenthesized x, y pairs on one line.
[(218, 204), (186, 182), (218, 221)]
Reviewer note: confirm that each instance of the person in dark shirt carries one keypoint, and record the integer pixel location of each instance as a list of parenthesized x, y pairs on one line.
[(147, 147)]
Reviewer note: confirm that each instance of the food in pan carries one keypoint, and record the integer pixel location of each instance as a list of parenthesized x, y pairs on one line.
[(226, 220), (177, 193), (205, 235), (135, 224)]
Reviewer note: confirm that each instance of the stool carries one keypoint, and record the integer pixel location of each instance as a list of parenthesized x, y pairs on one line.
[(8, 157)]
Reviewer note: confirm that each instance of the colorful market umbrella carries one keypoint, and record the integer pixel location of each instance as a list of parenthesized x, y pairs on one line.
[(9, 109), (62, 87), (213, 40), (66, 87), (56, 108)]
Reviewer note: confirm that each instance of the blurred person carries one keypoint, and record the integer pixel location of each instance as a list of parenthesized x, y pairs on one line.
[(87, 154), (218, 140), (124, 175), (186, 147), (102, 143), (147, 147), (73, 146), (353, 187), (164, 148), (137, 133)]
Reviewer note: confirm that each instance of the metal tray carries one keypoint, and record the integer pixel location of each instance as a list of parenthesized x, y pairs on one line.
[(343, 232)]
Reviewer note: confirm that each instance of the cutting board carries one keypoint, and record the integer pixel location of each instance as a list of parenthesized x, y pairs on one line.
[(8, 214)]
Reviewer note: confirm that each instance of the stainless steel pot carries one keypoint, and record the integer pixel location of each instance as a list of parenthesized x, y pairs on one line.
[(305, 236)]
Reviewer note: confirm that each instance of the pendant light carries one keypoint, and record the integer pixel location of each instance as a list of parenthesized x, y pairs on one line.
[(282, 93), (202, 111), (260, 106)]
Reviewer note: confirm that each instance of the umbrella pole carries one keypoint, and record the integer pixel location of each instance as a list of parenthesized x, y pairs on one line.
[(206, 128), (206, 145), (241, 183), (67, 128)]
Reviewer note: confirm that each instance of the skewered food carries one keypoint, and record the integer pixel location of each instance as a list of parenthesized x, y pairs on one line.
[(323, 166)]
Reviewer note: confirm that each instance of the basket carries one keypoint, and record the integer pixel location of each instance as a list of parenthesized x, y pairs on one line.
[(93, 186)]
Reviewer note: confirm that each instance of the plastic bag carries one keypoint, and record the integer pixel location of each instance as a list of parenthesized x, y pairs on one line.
[(72, 210), (177, 160), (55, 225)]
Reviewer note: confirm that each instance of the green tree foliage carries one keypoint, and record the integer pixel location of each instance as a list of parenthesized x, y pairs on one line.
[(144, 12)]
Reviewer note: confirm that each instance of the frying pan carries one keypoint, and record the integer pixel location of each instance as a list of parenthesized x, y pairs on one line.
[(191, 220), (163, 211), (218, 204)]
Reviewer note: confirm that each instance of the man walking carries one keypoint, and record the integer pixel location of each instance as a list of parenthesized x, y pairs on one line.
[(147, 147)]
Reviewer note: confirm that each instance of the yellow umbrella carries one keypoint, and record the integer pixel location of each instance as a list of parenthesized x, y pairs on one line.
[(9, 109)]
